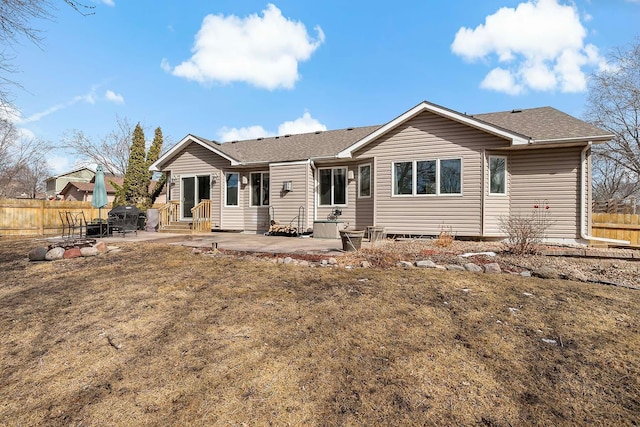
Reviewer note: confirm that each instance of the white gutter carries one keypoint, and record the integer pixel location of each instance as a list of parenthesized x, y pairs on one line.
[(584, 234)]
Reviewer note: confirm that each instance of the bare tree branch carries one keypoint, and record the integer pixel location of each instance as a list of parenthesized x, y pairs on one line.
[(614, 105), (112, 151)]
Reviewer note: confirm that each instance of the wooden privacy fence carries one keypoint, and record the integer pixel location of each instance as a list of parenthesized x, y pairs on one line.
[(40, 217), (617, 226)]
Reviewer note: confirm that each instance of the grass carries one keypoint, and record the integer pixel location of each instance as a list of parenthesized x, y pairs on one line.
[(154, 335)]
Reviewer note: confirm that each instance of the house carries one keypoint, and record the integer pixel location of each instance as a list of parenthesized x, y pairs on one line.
[(55, 184), (428, 168), (83, 191)]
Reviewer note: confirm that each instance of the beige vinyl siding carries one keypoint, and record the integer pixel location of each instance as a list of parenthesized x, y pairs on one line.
[(495, 205), (193, 160), (286, 205), (430, 137), (588, 193), (539, 176)]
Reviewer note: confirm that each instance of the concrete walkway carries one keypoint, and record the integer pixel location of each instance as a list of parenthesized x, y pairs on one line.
[(237, 242)]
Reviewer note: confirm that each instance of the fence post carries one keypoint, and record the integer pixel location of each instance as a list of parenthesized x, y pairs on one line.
[(41, 210)]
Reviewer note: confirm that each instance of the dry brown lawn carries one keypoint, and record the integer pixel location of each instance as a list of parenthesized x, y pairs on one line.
[(154, 335)]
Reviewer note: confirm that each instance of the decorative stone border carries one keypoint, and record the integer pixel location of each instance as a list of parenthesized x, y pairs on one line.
[(69, 249)]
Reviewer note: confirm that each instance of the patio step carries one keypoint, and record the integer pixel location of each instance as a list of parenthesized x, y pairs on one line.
[(177, 227)]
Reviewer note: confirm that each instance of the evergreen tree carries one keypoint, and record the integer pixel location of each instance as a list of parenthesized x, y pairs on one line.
[(152, 155), (135, 188)]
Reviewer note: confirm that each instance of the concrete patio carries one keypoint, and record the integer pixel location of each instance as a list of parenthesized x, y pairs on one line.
[(237, 242)]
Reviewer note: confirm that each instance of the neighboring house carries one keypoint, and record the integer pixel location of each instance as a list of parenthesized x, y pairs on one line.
[(83, 191), (429, 168), (55, 184)]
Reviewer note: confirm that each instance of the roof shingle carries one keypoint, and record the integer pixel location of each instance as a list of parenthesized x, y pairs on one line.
[(544, 123)]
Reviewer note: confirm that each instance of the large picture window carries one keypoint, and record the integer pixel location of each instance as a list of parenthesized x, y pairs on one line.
[(232, 187), (260, 189), (497, 175), (364, 181), (333, 186), (425, 177)]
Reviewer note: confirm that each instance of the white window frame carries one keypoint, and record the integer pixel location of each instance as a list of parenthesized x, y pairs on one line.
[(506, 175), (237, 205), (414, 178), (261, 203), (346, 186), (360, 196)]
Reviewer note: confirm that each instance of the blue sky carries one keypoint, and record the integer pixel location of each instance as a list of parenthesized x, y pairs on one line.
[(229, 70)]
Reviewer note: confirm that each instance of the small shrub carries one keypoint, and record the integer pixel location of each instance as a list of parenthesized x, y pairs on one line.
[(526, 232), (445, 238)]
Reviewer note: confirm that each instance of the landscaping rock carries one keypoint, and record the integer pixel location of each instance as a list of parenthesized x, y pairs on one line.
[(473, 268), (101, 247), (38, 254), (323, 262), (577, 275), (89, 251), (54, 254), (332, 261), (304, 263), (288, 260), (526, 274), (454, 267), (546, 273), (492, 268), (405, 264), (72, 253), (427, 263), (365, 264)]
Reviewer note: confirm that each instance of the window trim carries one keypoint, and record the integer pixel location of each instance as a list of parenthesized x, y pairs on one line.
[(261, 204), (360, 196), (237, 205), (414, 177), (346, 186), (506, 175)]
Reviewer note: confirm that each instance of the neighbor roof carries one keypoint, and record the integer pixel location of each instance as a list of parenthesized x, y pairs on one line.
[(544, 124)]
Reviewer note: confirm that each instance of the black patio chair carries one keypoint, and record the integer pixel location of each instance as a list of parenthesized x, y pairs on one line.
[(77, 223)]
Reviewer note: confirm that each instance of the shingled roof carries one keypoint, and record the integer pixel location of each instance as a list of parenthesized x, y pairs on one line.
[(520, 127), (292, 147), (543, 124)]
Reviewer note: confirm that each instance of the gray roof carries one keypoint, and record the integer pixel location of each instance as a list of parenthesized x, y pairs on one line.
[(544, 123), (292, 147)]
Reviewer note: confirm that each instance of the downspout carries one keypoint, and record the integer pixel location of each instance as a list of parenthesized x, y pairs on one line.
[(584, 233), (315, 207)]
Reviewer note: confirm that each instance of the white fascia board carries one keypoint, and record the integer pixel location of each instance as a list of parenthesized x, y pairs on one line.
[(595, 139), (515, 139), (294, 162), (183, 143)]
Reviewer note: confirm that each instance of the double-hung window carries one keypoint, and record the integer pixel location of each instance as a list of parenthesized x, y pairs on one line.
[(260, 189), (232, 187), (424, 177), (333, 186), (497, 175)]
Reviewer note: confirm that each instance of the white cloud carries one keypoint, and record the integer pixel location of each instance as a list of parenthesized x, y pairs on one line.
[(239, 134), (539, 44), (116, 98), (111, 3), (501, 80), (59, 164), (303, 124), (262, 51)]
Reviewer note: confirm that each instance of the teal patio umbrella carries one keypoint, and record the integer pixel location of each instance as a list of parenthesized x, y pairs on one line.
[(99, 197)]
